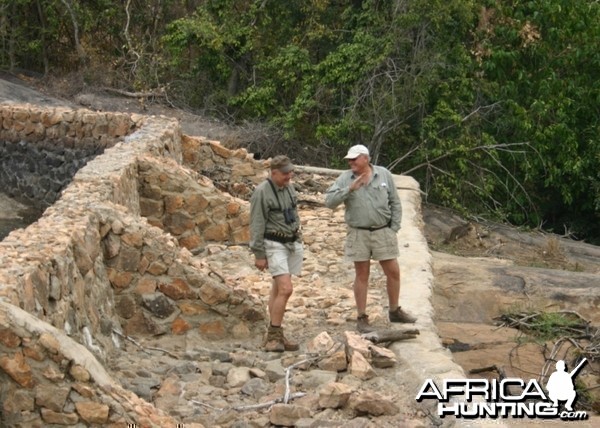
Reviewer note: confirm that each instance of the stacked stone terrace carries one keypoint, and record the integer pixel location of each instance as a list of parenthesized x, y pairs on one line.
[(41, 151), (112, 256)]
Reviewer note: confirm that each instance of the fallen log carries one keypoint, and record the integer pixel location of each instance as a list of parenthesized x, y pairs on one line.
[(158, 93), (380, 336)]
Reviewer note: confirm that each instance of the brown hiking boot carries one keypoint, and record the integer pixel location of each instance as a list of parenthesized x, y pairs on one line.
[(400, 316), (273, 341), (362, 324)]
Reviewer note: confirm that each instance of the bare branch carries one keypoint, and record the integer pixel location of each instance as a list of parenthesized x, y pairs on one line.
[(147, 94), (80, 51), (144, 348), (505, 147)]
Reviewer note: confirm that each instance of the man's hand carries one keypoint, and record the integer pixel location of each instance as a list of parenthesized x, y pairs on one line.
[(261, 264), (360, 181)]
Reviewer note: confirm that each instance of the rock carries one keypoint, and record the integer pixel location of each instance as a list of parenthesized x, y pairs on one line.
[(360, 367), (382, 357), (373, 404), (287, 414), (238, 376), (334, 395)]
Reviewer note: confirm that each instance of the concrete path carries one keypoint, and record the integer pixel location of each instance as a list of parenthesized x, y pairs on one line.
[(424, 357)]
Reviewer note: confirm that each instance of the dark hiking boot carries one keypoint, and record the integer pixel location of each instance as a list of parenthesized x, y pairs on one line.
[(362, 324), (400, 316), (273, 341)]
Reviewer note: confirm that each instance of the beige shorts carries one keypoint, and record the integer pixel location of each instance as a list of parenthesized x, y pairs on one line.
[(284, 258), (362, 245)]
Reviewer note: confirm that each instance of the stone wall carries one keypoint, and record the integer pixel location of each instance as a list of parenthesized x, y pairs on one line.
[(189, 207), (40, 151), (233, 171), (110, 258), (48, 379)]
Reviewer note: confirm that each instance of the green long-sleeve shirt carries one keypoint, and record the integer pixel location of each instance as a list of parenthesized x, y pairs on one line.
[(266, 215), (372, 205)]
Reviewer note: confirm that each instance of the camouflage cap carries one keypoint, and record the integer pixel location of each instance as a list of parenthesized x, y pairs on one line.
[(282, 163)]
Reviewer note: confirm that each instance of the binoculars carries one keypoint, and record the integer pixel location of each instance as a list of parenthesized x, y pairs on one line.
[(289, 215)]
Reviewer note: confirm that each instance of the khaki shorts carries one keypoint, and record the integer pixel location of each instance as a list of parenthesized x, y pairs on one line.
[(282, 260), (362, 245)]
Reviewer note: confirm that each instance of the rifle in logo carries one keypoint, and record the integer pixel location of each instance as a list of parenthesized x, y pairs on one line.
[(560, 384)]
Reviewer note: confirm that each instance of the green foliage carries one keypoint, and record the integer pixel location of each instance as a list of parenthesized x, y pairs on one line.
[(21, 36), (283, 75), (545, 326), (543, 57), (491, 106), (550, 326)]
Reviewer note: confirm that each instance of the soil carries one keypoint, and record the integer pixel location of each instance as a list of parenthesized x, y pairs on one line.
[(481, 269)]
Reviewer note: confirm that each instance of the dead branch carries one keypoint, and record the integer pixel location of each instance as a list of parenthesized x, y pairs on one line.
[(284, 399), (128, 38), (581, 339), (208, 406), (554, 357), (287, 396), (158, 93), (80, 51), (390, 335), (503, 176), (269, 403), (508, 147), (144, 348), (250, 406), (521, 321)]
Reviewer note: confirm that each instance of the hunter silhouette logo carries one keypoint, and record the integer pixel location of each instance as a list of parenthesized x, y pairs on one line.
[(560, 385), (509, 397)]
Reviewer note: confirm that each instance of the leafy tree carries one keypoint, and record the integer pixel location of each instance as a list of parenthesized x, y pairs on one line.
[(492, 106), (541, 60)]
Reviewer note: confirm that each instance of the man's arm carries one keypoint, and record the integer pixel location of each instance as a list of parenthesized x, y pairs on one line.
[(395, 204), (258, 221), (338, 192)]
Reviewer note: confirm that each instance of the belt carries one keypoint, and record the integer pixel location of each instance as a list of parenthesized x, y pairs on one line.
[(281, 237), (373, 229)]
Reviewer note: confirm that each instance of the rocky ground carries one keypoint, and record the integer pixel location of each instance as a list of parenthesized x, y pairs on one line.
[(209, 382), (488, 270), (481, 270)]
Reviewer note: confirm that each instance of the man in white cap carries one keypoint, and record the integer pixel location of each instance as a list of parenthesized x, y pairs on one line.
[(276, 242), (373, 215)]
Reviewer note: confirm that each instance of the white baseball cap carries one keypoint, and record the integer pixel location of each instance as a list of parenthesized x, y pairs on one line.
[(356, 151)]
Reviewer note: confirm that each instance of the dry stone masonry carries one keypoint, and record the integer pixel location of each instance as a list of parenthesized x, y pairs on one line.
[(93, 269), (142, 244), (41, 150)]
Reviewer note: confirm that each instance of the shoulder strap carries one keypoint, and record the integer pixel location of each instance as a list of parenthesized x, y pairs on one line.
[(291, 197), (277, 196), (275, 192)]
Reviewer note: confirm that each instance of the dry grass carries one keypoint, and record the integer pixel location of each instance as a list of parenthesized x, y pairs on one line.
[(552, 249)]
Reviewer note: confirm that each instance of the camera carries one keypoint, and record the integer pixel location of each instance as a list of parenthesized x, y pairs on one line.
[(289, 215)]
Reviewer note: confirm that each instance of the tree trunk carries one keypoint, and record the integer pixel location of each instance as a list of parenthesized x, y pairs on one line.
[(43, 26), (80, 51), (12, 35)]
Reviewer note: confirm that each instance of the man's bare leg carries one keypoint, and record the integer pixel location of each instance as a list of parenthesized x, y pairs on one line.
[(281, 290), (391, 269), (361, 285)]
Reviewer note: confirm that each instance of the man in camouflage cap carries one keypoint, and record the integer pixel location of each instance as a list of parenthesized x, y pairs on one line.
[(276, 242)]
